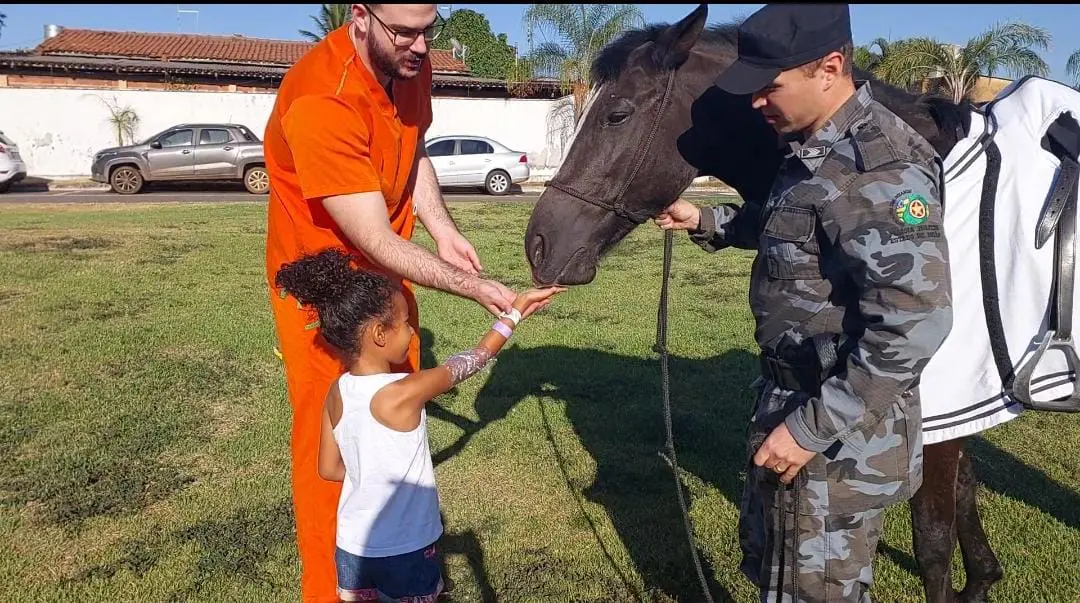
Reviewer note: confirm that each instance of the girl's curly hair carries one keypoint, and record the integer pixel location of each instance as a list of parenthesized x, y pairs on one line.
[(345, 298)]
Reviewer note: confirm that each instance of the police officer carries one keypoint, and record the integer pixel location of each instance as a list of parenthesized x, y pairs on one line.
[(851, 296)]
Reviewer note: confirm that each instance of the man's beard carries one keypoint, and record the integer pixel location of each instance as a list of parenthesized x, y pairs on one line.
[(384, 63)]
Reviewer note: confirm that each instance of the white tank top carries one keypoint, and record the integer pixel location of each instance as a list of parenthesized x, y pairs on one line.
[(388, 504)]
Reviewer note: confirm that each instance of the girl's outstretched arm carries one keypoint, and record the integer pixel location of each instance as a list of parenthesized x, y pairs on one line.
[(398, 405), (331, 466)]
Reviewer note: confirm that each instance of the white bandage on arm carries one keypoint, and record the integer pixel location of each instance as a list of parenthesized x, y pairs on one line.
[(466, 364)]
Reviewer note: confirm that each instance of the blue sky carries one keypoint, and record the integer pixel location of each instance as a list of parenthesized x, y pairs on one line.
[(947, 22)]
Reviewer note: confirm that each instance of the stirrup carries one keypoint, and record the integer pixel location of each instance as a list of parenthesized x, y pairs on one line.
[(1021, 387)]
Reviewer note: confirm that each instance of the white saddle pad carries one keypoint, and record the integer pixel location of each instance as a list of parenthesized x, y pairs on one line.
[(961, 388)]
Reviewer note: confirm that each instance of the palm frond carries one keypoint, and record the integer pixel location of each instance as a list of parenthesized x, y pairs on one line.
[(1072, 68)]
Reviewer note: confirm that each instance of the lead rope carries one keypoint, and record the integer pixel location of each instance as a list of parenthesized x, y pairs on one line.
[(669, 455)]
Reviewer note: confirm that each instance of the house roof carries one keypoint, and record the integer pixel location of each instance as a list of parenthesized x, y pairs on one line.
[(234, 49), (257, 73)]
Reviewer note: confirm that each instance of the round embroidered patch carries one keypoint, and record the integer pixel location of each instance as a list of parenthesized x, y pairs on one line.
[(911, 209)]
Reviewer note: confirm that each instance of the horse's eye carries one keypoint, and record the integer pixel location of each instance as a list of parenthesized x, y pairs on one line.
[(619, 113)]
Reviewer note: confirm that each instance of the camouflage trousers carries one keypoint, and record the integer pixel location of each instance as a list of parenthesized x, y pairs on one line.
[(794, 539), (824, 558)]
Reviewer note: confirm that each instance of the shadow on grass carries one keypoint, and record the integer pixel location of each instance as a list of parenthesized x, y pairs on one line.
[(614, 404), (615, 407), (1007, 475)]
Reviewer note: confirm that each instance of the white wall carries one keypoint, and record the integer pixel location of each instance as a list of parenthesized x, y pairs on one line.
[(59, 130)]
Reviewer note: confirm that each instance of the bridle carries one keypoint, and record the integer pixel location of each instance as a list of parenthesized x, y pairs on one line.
[(615, 205)]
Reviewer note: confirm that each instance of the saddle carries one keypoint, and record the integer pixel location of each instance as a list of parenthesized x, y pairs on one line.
[(1057, 220), (1062, 140)]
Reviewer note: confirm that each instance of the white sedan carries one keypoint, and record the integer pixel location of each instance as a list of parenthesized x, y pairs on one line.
[(477, 161), (12, 166)]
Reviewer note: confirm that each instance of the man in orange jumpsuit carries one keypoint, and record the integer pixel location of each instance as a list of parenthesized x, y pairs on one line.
[(344, 149)]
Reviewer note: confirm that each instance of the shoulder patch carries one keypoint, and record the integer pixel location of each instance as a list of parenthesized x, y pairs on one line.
[(873, 148), (910, 209)]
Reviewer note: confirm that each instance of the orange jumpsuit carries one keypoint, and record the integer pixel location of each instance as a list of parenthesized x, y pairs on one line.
[(333, 131)]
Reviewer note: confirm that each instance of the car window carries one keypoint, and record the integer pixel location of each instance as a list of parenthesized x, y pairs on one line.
[(441, 148), (475, 147), (179, 138), (248, 134), (214, 137)]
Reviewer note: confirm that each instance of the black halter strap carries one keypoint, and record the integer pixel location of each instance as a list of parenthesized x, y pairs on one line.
[(616, 203)]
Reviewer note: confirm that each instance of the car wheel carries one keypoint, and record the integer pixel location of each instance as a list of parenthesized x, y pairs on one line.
[(126, 180), (5, 186), (497, 183), (257, 180)]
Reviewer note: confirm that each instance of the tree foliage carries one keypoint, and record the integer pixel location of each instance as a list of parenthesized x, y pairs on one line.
[(486, 55), (331, 17), (574, 34), (1072, 69), (1009, 48)]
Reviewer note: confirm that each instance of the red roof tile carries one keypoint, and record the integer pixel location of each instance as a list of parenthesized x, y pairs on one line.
[(192, 47)]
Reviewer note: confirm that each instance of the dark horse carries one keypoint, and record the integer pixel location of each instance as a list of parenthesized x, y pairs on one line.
[(654, 123)]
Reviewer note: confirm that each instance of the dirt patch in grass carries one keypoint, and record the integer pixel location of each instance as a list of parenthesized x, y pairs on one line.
[(69, 244)]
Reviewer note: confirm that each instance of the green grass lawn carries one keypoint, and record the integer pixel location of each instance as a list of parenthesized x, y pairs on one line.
[(144, 425)]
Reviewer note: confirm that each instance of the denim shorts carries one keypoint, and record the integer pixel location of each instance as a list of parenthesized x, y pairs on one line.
[(414, 577)]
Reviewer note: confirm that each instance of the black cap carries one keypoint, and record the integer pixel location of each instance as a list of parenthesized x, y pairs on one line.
[(783, 36)]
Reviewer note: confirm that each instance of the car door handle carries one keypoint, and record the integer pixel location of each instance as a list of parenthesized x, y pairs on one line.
[(228, 148), (185, 152), (487, 161)]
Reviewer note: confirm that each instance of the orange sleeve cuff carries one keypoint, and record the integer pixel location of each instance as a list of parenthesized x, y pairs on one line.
[(330, 146)]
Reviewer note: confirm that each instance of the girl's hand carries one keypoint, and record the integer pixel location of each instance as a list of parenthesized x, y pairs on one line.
[(530, 301)]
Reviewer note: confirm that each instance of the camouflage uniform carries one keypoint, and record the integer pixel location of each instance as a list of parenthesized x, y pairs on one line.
[(851, 296)]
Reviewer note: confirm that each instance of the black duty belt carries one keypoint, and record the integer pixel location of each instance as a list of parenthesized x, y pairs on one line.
[(802, 377)]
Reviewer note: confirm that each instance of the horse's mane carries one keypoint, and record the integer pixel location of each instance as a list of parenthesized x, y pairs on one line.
[(940, 120), (612, 59)]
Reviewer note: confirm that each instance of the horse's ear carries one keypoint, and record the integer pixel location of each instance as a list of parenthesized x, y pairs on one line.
[(673, 46)]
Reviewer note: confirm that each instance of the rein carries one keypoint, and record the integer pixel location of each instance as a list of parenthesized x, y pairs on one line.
[(660, 347)]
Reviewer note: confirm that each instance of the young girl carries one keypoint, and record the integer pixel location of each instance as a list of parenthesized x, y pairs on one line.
[(374, 432)]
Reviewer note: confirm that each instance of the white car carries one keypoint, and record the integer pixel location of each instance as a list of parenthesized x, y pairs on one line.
[(12, 167), (477, 161)]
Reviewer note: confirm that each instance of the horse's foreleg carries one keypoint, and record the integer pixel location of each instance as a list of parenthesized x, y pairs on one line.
[(933, 520), (980, 563)]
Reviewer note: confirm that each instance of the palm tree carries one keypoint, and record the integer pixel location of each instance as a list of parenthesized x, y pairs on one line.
[(1072, 68), (1008, 48), (331, 17), (580, 31), (865, 58)]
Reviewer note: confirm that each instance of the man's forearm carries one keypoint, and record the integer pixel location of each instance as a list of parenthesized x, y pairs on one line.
[(362, 218), (417, 264), (429, 203)]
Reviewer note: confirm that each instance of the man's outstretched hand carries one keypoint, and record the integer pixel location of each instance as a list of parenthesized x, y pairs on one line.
[(456, 250)]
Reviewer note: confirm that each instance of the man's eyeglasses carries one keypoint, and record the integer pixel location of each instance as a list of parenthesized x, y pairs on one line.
[(405, 37)]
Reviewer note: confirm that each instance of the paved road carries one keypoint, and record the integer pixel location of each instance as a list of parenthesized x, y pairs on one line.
[(223, 196), (96, 196)]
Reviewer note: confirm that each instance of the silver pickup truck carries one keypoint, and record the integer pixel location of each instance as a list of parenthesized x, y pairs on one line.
[(189, 152)]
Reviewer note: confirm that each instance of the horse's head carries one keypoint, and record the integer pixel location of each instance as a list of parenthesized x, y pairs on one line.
[(652, 123)]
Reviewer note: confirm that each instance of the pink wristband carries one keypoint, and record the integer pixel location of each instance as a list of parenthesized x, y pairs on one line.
[(501, 328)]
